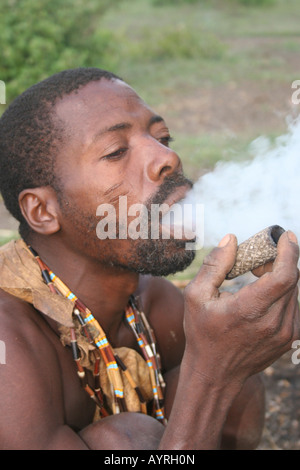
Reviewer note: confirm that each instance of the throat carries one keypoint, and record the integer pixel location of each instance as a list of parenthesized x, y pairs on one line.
[(104, 291)]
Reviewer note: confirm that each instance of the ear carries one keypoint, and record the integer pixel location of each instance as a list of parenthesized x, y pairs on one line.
[(40, 208)]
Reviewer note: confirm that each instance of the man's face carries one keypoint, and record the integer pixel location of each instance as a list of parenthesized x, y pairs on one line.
[(117, 147)]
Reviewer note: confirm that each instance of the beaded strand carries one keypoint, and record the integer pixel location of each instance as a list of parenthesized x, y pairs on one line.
[(96, 336), (141, 329)]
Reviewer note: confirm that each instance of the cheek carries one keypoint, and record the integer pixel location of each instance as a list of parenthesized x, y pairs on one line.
[(91, 187), (84, 191)]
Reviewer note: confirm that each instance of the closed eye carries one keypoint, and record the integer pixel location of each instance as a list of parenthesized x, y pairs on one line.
[(166, 140), (117, 155)]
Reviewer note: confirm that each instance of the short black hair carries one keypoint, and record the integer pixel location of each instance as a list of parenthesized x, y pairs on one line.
[(30, 134)]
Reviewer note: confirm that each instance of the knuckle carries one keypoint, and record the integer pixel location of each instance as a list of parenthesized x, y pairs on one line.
[(292, 278), (191, 294), (209, 263), (209, 258), (296, 329), (287, 332), (270, 330), (251, 309), (296, 332), (287, 278), (189, 290), (286, 335)]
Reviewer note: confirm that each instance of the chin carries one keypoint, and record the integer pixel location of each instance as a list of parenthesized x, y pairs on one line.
[(163, 260)]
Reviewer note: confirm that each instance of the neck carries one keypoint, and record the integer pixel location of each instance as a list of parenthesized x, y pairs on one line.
[(104, 290)]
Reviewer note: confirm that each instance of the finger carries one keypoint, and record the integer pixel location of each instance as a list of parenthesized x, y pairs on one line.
[(296, 317), (261, 270), (284, 276), (287, 250), (268, 267), (296, 331), (284, 311), (215, 267), (289, 327)]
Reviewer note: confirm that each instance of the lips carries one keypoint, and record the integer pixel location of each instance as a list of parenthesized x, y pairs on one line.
[(174, 198), (172, 224)]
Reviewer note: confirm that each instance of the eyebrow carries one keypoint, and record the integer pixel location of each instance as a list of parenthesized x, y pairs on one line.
[(125, 125), (154, 119), (117, 127)]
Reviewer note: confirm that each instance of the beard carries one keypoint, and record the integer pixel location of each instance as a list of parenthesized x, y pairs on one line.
[(157, 257)]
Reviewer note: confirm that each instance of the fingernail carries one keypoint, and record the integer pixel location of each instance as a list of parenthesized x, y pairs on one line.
[(225, 240), (292, 237)]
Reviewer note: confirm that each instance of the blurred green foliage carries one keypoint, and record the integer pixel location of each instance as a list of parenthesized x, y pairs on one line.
[(256, 2), (242, 2), (39, 38), (174, 42), (174, 2)]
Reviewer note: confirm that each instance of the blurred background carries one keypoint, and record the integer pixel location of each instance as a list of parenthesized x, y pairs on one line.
[(219, 71)]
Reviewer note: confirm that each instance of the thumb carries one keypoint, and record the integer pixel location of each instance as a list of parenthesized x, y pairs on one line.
[(215, 267)]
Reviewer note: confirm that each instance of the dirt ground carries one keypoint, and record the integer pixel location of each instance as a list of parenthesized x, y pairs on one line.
[(282, 382), (242, 107)]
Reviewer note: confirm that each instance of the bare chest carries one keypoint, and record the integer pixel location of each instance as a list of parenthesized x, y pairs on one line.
[(79, 407)]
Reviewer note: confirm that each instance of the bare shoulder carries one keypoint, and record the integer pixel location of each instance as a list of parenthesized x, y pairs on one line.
[(21, 326), (17, 321), (164, 306), (27, 377)]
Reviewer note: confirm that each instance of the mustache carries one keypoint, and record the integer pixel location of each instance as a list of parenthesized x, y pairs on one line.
[(169, 185)]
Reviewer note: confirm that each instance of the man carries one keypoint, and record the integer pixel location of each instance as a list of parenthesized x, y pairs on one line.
[(81, 139)]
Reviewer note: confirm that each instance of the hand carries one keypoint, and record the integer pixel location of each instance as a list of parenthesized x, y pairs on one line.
[(230, 337)]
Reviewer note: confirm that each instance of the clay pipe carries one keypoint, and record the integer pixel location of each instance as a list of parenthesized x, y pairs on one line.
[(256, 251)]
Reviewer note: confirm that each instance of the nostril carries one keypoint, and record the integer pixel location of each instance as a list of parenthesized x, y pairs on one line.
[(162, 163), (166, 170)]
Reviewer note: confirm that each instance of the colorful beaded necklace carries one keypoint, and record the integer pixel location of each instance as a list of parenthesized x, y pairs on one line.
[(114, 365)]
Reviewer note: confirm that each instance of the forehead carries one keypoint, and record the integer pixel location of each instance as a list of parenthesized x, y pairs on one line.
[(99, 104)]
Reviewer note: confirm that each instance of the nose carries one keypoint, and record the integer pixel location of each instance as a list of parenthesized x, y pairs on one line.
[(161, 162)]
